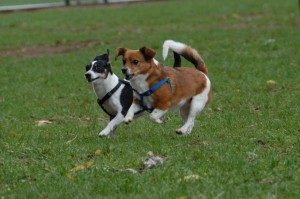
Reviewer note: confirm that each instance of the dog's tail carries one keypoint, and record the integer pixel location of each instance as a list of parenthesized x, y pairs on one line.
[(187, 52)]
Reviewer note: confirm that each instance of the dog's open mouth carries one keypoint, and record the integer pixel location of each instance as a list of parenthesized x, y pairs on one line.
[(91, 80), (128, 76)]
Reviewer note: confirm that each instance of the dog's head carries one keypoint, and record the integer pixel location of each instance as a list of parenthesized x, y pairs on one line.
[(99, 68), (135, 62)]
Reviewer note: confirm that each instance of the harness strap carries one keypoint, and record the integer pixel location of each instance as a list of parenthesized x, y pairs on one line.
[(151, 91), (156, 87), (110, 93), (107, 96), (101, 105)]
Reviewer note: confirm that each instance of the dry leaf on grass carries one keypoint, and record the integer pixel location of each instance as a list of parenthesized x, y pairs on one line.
[(98, 152), (78, 168), (43, 122), (83, 166), (271, 82), (89, 163), (189, 178)]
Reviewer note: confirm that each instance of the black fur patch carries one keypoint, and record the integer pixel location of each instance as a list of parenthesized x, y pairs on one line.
[(102, 63), (126, 97), (177, 60)]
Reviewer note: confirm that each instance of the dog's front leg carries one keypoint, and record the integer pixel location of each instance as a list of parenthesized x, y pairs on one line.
[(157, 114), (130, 114), (112, 125)]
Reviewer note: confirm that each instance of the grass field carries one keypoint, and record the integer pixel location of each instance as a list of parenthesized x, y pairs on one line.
[(246, 144)]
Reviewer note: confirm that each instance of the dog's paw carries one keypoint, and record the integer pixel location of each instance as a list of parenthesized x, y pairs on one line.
[(182, 131), (127, 120), (185, 129), (104, 133), (158, 121), (179, 131), (156, 115)]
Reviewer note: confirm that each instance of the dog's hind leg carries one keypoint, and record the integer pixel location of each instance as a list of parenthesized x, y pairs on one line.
[(184, 111), (112, 125), (196, 106)]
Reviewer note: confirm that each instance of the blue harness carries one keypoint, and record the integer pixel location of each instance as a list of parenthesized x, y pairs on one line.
[(151, 91)]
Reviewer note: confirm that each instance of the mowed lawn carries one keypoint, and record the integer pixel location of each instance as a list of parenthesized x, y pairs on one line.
[(246, 144)]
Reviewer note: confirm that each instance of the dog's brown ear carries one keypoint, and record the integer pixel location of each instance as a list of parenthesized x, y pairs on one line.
[(120, 51), (147, 52)]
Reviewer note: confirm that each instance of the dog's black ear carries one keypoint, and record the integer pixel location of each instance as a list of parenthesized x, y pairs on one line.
[(104, 56), (120, 51), (147, 52), (107, 55)]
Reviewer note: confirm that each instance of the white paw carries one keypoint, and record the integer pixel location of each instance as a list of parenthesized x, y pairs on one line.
[(158, 121), (104, 133), (183, 131), (127, 120), (179, 131), (157, 114)]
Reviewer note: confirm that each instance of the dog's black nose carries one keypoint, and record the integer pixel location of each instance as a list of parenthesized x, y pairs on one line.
[(124, 70), (88, 76)]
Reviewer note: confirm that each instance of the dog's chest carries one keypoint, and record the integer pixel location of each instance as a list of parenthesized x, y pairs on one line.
[(112, 105), (140, 85)]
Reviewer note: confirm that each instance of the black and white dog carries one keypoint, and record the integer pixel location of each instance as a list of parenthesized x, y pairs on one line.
[(114, 95)]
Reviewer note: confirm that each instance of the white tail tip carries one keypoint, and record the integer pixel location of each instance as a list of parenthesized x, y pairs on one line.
[(173, 45)]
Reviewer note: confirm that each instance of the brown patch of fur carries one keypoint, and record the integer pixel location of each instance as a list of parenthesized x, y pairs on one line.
[(120, 51), (186, 82), (193, 56), (147, 52)]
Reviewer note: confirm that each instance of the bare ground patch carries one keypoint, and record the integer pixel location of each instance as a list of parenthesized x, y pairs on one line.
[(49, 49)]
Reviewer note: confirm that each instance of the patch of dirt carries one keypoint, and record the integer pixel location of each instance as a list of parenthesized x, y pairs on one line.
[(40, 50)]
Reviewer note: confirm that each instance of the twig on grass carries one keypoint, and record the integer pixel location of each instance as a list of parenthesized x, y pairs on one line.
[(148, 163)]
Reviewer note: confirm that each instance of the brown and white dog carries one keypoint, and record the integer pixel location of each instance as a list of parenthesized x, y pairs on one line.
[(159, 89)]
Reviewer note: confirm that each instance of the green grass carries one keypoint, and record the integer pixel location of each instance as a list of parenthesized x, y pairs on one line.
[(246, 144)]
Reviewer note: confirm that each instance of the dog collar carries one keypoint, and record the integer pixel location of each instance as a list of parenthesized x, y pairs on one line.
[(151, 91)]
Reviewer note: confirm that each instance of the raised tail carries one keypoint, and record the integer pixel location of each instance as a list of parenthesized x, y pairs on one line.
[(187, 52)]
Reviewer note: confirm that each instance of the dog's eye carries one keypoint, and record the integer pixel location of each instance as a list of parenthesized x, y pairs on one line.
[(135, 62), (87, 67), (98, 68), (124, 61)]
